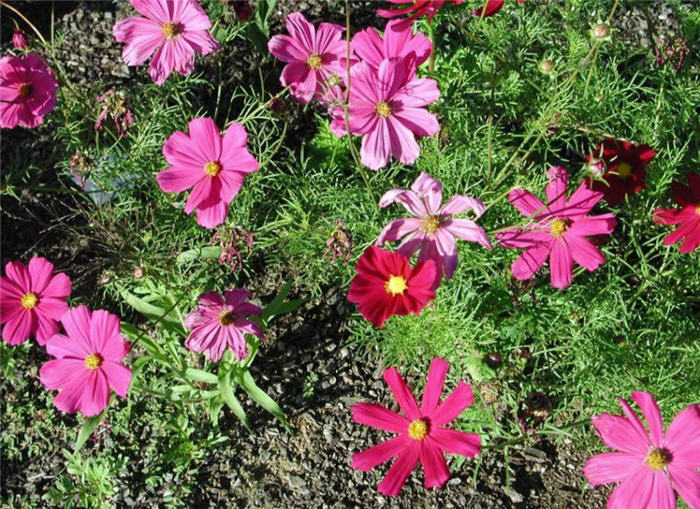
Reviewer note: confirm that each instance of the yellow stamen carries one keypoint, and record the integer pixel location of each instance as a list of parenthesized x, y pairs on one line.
[(212, 168), (657, 459), (396, 285), (171, 29), (314, 61), (698, 210), (383, 109), (93, 361), (418, 429), (29, 301), (24, 89), (227, 318), (431, 224), (624, 170), (558, 227)]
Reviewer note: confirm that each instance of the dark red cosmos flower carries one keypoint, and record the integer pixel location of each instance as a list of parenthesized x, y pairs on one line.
[(626, 169), (490, 8), (416, 9), (687, 216), (386, 285)]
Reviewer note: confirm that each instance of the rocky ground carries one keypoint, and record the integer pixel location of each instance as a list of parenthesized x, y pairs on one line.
[(307, 364)]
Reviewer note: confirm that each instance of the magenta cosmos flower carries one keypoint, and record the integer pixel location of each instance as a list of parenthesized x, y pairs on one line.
[(172, 31), (220, 322), (88, 361), (490, 8), (687, 216), (27, 91), (398, 41), (415, 9), (387, 108), (311, 56), (421, 430), (432, 229), (649, 464), (32, 299), (557, 231), (214, 166)]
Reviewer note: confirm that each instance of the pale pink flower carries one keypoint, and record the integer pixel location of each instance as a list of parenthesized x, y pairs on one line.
[(219, 323), (557, 231), (650, 464), (422, 430), (214, 166), (387, 107), (27, 91), (432, 229), (172, 31), (311, 55), (398, 41), (32, 299), (88, 361)]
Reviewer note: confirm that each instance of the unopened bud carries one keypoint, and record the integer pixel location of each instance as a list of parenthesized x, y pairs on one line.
[(493, 360), (19, 39), (547, 66), (597, 167), (601, 31), (139, 272)]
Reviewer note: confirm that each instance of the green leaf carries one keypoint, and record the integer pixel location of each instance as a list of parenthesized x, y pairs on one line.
[(88, 428), (261, 398), (230, 398), (200, 253), (201, 376), (153, 312)]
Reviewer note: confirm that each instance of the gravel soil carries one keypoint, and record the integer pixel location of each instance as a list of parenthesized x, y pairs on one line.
[(306, 365)]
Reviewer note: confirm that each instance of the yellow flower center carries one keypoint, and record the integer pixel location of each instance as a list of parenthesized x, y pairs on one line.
[(558, 227), (418, 429), (29, 301), (431, 224), (93, 361), (657, 459), (383, 109), (212, 168), (24, 89), (171, 29), (227, 318), (624, 170), (698, 210), (396, 285), (315, 61)]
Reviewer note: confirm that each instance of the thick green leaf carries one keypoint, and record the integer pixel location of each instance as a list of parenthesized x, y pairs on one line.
[(200, 253), (230, 398), (261, 398), (153, 312), (201, 376), (88, 428)]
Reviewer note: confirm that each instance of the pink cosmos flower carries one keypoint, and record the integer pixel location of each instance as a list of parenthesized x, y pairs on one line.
[(432, 229), (416, 9), (558, 231), (311, 56), (687, 216), (387, 107), (32, 299), (422, 435), (213, 165), (218, 323), (490, 8), (88, 361), (172, 31), (19, 39), (650, 464), (398, 41), (27, 91)]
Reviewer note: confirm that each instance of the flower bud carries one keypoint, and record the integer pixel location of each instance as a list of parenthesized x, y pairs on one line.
[(19, 39), (493, 360), (597, 167), (277, 105), (601, 31), (547, 66), (138, 272)]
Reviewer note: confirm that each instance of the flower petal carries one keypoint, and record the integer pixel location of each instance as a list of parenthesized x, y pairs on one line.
[(686, 481), (456, 442), (434, 466), (434, 385), (398, 229), (384, 451), (396, 477), (683, 437), (402, 393), (611, 467), (652, 414), (461, 398), (634, 491), (376, 416)]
